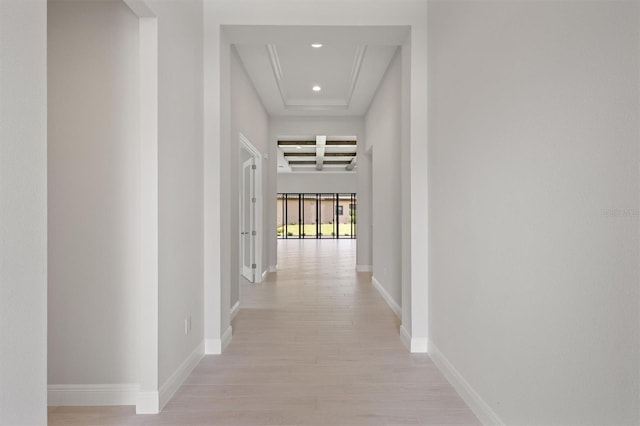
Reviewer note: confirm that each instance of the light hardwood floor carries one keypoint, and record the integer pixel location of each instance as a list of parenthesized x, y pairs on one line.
[(314, 344)]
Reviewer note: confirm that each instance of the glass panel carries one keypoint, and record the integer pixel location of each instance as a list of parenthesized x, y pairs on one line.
[(327, 218), (280, 216), (352, 213), (344, 216), (316, 215), (309, 215), (293, 216)]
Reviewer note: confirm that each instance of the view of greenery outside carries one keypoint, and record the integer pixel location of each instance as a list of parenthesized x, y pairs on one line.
[(310, 229)]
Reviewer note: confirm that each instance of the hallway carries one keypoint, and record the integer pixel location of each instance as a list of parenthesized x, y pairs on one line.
[(313, 344)]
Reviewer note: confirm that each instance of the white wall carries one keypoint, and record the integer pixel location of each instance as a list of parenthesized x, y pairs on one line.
[(94, 208), (180, 176), (311, 126), (533, 158), (330, 182), (248, 117), (93, 162), (23, 213), (383, 133)]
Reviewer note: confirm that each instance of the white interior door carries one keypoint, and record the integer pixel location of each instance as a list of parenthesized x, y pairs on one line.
[(247, 221)]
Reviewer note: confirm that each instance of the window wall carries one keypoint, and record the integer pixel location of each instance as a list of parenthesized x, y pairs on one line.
[(316, 215)]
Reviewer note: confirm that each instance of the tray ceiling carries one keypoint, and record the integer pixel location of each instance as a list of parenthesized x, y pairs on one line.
[(284, 68)]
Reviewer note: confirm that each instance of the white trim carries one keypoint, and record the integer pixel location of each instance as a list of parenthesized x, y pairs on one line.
[(355, 71), (479, 406), (147, 266), (264, 275), (247, 268), (212, 347), (140, 8), (148, 402), (234, 310), (273, 268), (415, 345), (274, 59), (216, 346), (419, 345), (179, 376), (226, 338), (112, 394), (405, 337), (364, 268), (387, 297), (257, 157)]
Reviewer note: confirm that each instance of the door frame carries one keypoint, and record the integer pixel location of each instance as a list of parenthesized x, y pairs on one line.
[(258, 218), (248, 272), (223, 25)]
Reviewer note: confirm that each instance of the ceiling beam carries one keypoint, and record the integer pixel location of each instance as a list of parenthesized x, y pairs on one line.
[(352, 164), (339, 154), (342, 143), (326, 154), (312, 143), (320, 144), (299, 154), (296, 143), (301, 162), (337, 162)]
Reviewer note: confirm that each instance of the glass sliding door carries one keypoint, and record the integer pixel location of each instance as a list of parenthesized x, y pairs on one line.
[(318, 216), (292, 218), (309, 215), (327, 216)]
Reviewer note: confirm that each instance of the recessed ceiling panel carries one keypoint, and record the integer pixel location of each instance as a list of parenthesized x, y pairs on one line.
[(348, 68), (328, 67)]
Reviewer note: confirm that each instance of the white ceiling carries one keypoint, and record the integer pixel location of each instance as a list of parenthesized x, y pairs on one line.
[(284, 67)]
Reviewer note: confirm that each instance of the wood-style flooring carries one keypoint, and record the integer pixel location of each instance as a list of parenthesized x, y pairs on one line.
[(314, 344)]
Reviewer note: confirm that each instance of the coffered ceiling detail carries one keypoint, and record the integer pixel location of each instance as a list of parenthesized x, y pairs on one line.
[(322, 153)]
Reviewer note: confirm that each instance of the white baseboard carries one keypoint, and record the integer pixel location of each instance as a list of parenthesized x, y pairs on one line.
[(364, 268), (387, 297), (264, 275), (112, 394), (416, 345), (212, 347), (273, 268), (216, 346), (226, 338), (405, 337), (148, 402), (478, 405), (173, 383), (234, 310)]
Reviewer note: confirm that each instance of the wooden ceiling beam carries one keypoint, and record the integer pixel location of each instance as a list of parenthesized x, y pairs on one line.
[(296, 143)]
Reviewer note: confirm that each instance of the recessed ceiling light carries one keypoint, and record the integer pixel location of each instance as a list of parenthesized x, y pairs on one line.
[(316, 88), (316, 45)]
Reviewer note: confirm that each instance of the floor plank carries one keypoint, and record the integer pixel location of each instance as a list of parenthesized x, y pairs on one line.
[(314, 344)]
